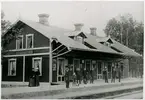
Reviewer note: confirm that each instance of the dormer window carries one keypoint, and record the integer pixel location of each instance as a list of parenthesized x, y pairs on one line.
[(19, 42), (79, 39), (29, 41), (106, 43)]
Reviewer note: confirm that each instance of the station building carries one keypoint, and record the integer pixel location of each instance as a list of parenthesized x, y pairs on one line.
[(51, 48)]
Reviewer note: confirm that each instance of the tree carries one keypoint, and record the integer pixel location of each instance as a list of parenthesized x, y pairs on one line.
[(4, 23), (127, 31), (11, 31)]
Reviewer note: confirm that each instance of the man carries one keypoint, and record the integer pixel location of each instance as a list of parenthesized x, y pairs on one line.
[(106, 75), (84, 76), (119, 73), (67, 76), (113, 75), (91, 75)]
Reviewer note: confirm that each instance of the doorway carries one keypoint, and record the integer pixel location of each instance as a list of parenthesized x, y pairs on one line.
[(99, 70), (76, 65), (60, 69), (109, 70), (88, 65)]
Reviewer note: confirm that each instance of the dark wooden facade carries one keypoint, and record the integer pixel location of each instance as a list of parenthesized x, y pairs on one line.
[(24, 59)]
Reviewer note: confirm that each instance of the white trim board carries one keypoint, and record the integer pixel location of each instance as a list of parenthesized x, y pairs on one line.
[(26, 55), (28, 49)]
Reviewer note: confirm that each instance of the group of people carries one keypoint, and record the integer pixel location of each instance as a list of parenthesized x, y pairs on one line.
[(114, 74), (84, 75), (78, 76)]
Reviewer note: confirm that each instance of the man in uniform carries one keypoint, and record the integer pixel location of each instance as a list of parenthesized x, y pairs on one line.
[(119, 73), (67, 76), (106, 75), (91, 75), (113, 75), (78, 76), (84, 76)]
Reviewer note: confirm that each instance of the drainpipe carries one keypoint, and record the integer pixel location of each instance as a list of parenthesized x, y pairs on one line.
[(50, 63)]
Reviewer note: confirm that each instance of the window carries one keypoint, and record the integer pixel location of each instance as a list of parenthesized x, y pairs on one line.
[(37, 63), (29, 41), (19, 42), (79, 38), (12, 67)]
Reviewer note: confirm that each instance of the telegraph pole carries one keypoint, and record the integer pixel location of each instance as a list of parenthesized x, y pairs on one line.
[(121, 33), (127, 38)]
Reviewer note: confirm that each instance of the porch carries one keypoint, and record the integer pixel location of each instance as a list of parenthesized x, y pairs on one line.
[(83, 59)]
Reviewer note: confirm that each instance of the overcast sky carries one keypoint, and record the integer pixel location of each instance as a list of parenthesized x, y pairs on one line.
[(65, 13)]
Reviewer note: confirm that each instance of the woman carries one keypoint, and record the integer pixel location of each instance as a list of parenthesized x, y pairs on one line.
[(37, 73)]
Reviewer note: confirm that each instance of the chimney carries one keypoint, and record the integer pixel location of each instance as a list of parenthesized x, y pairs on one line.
[(93, 31), (43, 19), (78, 26)]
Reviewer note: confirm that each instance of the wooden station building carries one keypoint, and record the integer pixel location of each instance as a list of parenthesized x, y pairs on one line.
[(52, 48)]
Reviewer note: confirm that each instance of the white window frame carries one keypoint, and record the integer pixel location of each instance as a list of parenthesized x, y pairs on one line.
[(58, 70), (79, 39), (40, 67), (9, 65), (32, 40), (17, 42)]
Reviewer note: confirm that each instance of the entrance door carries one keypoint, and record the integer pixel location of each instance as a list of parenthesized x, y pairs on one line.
[(88, 65), (109, 70), (99, 69), (76, 64), (95, 69), (60, 69)]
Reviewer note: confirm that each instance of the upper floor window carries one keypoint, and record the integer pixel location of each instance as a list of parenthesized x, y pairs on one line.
[(29, 41), (19, 42), (79, 39), (12, 67), (107, 44)]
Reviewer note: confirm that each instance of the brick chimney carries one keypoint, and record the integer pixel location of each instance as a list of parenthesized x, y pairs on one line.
[(93, 31), (78, 26), (43, 19)]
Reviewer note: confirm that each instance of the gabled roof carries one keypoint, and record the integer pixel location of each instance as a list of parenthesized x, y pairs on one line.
[(92, 41), (95, 41), (124, 49), (55, 32), (104, 39), (59, 34), (75, 33)]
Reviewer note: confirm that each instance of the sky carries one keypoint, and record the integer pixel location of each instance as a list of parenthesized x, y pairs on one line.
[(66, 13)]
